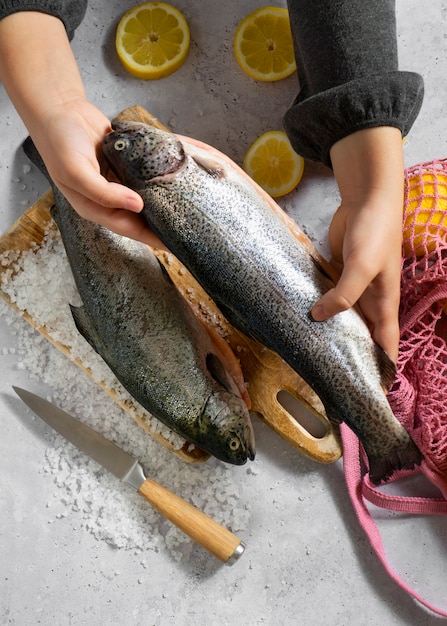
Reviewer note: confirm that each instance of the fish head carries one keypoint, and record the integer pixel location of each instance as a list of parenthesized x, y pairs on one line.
[(226, 428), (138, 153)]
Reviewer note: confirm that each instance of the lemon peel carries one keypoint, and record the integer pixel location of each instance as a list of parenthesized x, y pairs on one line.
[(152, 40), (263, 44), (273, 163)]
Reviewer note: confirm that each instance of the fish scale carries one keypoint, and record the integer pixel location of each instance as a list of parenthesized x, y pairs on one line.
[(263, 279)]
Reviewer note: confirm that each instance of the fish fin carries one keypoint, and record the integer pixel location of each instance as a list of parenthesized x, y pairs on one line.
[(54, 212), (229, 361), (217, 370), (234, 319), (83, 325), (322, 271), (165, 272), (403, 458), (387, 367), (213, 168)]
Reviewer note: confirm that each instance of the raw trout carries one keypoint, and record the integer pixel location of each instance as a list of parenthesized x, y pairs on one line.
[(145, 331), (219, 225)]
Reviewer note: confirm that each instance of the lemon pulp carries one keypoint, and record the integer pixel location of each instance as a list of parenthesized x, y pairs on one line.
[(152, 40), (273, 164), (263, 44)]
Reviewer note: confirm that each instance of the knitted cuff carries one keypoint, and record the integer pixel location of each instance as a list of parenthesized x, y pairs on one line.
[(316, 123), (70, 12)]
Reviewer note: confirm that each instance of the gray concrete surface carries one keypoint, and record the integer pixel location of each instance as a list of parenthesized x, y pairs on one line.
[(307, 561)]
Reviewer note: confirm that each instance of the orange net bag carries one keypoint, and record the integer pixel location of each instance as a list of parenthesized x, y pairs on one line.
[(418, 396)]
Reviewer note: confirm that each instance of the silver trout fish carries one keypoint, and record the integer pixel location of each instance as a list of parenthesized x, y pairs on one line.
[(213, 218), (137, 321)]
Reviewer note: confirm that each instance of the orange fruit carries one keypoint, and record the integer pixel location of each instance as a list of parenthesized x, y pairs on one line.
[(425, 218)]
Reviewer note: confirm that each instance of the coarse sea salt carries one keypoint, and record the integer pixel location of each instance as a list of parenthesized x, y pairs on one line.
[(40, 282)]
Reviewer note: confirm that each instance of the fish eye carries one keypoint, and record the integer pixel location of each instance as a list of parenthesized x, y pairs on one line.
[(234, 444), (120, 144)]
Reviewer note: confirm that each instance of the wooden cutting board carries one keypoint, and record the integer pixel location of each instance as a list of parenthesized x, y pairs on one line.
[(271, 383)]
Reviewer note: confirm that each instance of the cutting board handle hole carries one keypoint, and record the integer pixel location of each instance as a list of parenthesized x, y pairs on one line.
[(301, 414)]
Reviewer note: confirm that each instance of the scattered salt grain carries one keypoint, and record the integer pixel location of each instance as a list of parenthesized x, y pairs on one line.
[(40, 282)]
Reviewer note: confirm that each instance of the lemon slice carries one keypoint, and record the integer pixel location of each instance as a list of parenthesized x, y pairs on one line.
[(263, 44), (152, 40), (273, 163)]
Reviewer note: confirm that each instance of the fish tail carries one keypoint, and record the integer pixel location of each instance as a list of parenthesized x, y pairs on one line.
[(405, 457)]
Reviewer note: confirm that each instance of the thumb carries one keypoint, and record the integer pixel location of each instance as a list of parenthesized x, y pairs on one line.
[(328, 306), (109, 194), (342, 297), (115, 195), (81, 176)]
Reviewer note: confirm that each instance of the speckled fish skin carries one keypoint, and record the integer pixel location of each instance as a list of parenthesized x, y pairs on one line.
[(141, 326), (264, 281)]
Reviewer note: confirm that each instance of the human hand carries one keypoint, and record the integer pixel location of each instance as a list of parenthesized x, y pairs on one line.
[(69, 140), (365, 235), (45, 85)]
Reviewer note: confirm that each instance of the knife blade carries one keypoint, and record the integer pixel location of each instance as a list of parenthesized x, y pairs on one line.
[(211, 535)]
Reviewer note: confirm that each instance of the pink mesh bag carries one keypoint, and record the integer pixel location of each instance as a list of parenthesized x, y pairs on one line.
[(418, 396)]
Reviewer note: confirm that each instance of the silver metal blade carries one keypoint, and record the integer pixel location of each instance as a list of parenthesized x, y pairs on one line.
[(103, 451)]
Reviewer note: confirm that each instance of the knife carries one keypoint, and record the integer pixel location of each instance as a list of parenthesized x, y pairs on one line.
[(222, 543)]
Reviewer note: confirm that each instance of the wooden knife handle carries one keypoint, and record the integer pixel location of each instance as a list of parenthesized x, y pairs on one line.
[(193, 522)]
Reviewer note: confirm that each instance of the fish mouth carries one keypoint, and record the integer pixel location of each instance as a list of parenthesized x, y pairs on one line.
[(247, 451)]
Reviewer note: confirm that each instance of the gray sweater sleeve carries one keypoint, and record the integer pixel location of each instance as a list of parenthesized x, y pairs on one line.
[(71, 12), (346, 53)]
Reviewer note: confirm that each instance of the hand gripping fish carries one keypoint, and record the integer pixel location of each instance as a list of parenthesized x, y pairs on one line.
[(134, 317), (215, 220)]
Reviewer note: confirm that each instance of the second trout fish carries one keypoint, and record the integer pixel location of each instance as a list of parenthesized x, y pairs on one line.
[(210, 215), (134, 317)]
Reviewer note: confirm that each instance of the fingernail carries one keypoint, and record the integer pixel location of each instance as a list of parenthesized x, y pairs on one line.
[(319, 313), (133, 204)]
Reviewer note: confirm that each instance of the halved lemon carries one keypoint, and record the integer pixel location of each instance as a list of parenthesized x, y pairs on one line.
[(152, 40), (263, 44), (273, 163)]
